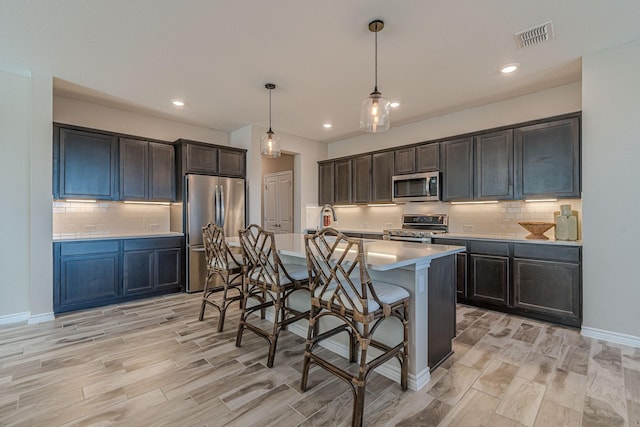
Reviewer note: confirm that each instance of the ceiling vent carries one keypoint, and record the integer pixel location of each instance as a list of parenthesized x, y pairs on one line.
[(534, 36)]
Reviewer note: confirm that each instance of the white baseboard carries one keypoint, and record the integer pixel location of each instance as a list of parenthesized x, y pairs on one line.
[(26, 316), (614, 337), (14, 318), (39, 318)]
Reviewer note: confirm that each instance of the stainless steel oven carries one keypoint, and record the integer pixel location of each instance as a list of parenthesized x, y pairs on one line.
[(418, 228), (417, 187)]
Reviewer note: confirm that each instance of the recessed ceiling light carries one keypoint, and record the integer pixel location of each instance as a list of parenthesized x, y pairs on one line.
[(177, 102), (394, 104), (327, 125), (509, 68)]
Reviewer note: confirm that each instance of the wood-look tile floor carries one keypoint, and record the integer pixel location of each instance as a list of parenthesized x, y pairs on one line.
[(152, 362)]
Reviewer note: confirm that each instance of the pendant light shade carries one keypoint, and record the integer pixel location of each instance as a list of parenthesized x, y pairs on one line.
[(374, 113), (270, 142)]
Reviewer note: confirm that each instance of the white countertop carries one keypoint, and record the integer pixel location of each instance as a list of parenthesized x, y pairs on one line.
[(507, 238), (514, 238), (72, 237), (381, 255)]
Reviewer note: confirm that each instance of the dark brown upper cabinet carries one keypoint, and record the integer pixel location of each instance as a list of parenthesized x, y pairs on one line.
[(428, 157), (201, 158), (381, 174), (404, 161), (85, 164), (162, 172), (547, 159), (361, 181), (325, 183), (231, 162), (457, 169), (342, 181), (147, 171), (208, 159), (423, 158), (493, 173)]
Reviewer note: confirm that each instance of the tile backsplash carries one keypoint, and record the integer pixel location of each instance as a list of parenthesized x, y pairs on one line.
[(96, 219), (495, 219)]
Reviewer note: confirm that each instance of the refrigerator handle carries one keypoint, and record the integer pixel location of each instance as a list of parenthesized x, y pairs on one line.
[(222, 206), (216, 200)]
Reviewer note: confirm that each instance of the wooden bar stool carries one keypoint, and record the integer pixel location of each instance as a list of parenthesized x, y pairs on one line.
[(224, 265), (341, 289), (270, 283)]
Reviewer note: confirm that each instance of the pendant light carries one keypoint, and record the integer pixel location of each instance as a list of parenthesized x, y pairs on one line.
[(270, 142), (374, 113)]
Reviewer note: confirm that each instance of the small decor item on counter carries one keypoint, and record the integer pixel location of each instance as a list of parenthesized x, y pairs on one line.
[(537, 229), (566, 224)]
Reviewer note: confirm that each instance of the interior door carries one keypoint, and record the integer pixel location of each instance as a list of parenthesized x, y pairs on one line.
[(278, 207)]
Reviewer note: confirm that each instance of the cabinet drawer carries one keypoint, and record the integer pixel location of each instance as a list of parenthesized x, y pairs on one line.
[(548, 252), (452, 242), (152, 243), (488, 248), (83, 248)]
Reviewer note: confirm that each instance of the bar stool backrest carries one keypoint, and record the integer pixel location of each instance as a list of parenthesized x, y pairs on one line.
[(339, 277), (259, 249), (217, 253)]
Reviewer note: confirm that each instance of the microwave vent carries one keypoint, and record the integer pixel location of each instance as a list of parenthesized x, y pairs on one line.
[(533, 36)]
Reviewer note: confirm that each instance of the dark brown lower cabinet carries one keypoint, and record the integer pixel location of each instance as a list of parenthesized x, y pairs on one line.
[(548, 281), (489, 278), (96, 273), (541, 281)]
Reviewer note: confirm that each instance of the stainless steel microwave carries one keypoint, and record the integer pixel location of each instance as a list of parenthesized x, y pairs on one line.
[(417, 187)]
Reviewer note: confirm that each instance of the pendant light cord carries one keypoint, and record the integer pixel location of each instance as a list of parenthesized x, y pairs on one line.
[(270, 111), (376, 61)]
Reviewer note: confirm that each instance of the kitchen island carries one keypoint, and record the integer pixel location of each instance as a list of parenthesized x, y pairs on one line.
[(427, 272)]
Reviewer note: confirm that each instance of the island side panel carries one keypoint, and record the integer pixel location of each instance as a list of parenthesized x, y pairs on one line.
[(441, 309)]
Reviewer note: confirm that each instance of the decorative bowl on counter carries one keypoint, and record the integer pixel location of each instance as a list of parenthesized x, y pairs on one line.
[(537, 229)]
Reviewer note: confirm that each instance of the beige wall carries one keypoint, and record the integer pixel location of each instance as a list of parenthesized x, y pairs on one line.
[(306, 155), (546, 103), (81, 113), (611, 195), (15, 93)]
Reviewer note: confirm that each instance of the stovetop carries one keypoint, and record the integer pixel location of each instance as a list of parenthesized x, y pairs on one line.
[(421, 226)]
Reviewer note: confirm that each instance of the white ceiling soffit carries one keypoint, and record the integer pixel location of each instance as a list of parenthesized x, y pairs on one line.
[(434, 57)]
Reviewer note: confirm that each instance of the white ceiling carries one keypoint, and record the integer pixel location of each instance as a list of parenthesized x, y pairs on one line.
[(434, 56)]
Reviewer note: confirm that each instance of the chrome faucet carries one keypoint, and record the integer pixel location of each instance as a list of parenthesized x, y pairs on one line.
[(325, 208)]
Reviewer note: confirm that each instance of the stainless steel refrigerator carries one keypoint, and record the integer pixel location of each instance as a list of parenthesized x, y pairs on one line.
[(218, 200)]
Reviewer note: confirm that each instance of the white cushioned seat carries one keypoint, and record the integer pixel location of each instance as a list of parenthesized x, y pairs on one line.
[(386, 292), (297, 272)]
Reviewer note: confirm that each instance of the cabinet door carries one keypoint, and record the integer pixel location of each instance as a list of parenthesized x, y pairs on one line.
[(548, 287), (138, 272), (428, 157), (494, 166), (201, 159), (405, 161), (381, 174), (85, 275), (489, 278), (457, 169), (361, 179), (162, 180), (231, 163), (88, 165), (547, 159), (325, 183), (167, 271), (342, 171), (134, 170)]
